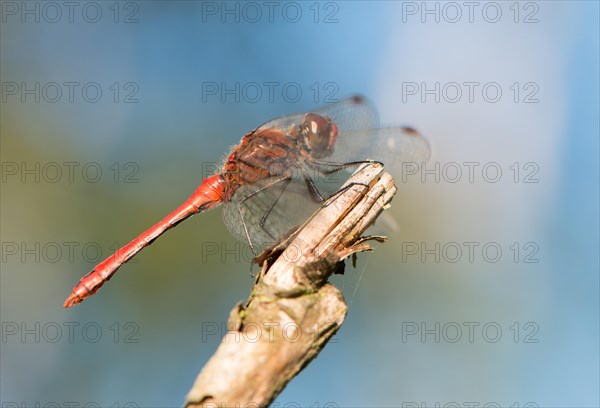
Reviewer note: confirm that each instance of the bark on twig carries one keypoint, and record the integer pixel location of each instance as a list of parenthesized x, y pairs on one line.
[(292, 311)]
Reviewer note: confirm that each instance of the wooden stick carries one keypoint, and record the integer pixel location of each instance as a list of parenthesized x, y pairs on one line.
[(292, 311)]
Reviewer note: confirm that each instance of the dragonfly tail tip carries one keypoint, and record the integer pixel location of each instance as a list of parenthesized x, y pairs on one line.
[(71, 301)]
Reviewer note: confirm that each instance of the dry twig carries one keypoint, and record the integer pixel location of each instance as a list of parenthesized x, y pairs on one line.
[(292, 311)]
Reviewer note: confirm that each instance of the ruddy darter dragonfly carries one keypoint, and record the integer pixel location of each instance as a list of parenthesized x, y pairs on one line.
[(278, 176)]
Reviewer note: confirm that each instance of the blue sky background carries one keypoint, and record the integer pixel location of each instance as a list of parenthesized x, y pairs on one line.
[(173, 131)]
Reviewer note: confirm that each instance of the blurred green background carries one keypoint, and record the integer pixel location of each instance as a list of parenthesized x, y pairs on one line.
[(515, 329)]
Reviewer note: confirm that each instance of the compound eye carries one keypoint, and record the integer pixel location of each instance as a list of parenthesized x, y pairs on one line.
[(318, 135)]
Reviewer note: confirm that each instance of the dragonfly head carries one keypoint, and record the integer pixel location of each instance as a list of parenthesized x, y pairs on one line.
[(319, 135)]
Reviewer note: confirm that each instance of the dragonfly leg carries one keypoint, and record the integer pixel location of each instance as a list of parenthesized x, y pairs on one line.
[(312, 188), (238, 204), (268, 186), (286, 180), (332, 197), (327, 168)]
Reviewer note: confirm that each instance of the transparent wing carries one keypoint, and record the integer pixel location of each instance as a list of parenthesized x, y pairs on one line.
[(264, 212), (392, 146), (353, 114), (359, 137), (350, 115)]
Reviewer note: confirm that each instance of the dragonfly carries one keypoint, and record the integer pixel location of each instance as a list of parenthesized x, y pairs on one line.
[(278, 175)]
